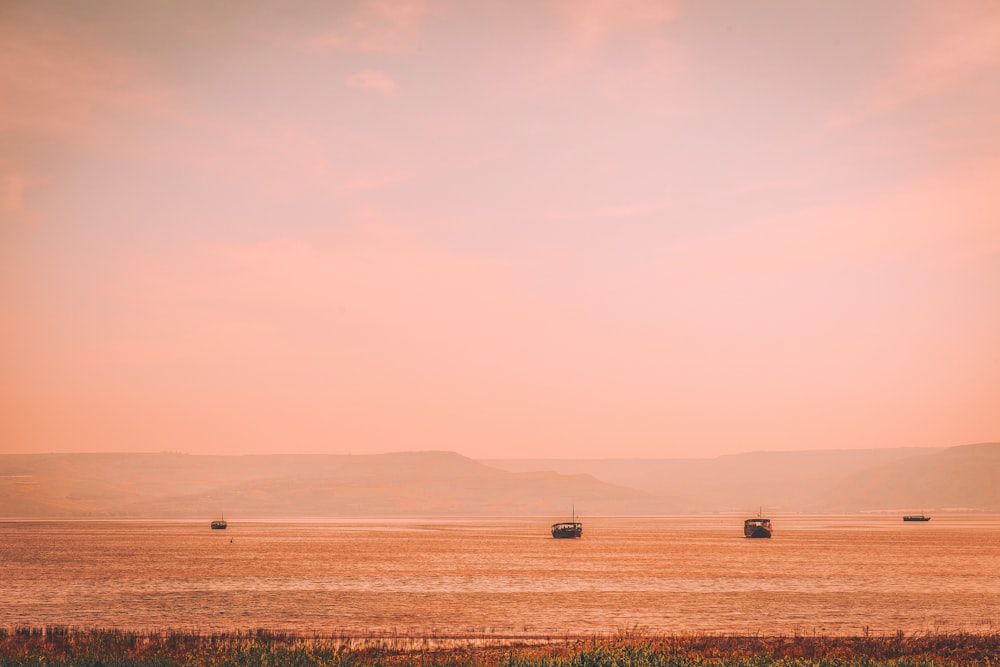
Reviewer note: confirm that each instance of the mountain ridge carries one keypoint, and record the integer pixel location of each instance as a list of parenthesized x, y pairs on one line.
[(859, 480), (428, 483), (185, 485)]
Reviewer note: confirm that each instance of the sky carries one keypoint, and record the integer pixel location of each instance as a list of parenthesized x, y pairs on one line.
[(507, 229)]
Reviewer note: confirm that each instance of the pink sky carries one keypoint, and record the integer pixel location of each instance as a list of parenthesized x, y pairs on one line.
[(554, 229)]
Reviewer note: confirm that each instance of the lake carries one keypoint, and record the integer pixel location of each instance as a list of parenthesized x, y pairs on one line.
[(506, 576)]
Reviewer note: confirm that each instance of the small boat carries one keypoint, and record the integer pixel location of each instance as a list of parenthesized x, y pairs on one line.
[(568, 529), (757, 527), (916, 517), (220, 524)]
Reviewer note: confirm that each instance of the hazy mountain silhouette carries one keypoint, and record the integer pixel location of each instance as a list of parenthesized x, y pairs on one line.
[(966, 477), (407, 483), (908, 479), (445, 483)]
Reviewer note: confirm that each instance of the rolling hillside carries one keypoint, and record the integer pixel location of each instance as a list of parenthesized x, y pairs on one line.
[(965, 478), (409, 483)]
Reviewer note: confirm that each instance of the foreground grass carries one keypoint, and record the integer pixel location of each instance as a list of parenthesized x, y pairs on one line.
[(114, 648)]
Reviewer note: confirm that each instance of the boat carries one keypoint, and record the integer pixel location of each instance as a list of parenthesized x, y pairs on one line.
[(568, 529), (220, 524), (916, 517), (757, 527)]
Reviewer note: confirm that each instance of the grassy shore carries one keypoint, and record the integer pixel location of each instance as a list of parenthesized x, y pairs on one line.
[(114, 648)]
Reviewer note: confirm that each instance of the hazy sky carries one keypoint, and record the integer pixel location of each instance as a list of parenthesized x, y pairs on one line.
[(577, 228)]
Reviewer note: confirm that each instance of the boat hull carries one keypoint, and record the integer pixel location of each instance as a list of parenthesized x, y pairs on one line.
[(219, 525), (916, 518), (757, 533), (758, 527), (567, 530)]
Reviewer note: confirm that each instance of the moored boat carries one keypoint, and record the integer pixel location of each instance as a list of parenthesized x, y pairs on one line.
[(916, 517), (220, 524), (568, 529), (757, 527)]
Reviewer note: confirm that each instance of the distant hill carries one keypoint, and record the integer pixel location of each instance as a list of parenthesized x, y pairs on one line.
[(400, 484), (963, 478), (905, 479), (957, 478)]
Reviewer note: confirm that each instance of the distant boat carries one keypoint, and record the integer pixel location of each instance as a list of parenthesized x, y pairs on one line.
[(757, 527), (916, 517), (220, 524), (568, 529)]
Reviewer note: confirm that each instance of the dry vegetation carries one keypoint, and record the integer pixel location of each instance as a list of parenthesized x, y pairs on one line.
[(112, 648)]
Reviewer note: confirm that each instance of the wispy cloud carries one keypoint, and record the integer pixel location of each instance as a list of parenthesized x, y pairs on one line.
[(376, 26), (14, 185), (942, 223), (608, 212), (62, 88), (954, 48), (374, 80), (58, 80), (594, 24), (619, 51)]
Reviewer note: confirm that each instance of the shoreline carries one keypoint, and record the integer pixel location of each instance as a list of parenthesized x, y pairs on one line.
[(55, 631), (65, 645)]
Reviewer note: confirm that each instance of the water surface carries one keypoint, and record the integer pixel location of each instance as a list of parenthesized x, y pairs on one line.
[(831, 575)]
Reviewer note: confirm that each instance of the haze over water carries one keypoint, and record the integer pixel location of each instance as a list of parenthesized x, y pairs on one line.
[(454, 577)]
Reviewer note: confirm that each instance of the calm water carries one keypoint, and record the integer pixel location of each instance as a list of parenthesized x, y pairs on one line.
[(833, 575)]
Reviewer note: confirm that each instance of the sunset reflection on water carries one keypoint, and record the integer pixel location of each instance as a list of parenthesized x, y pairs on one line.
[(834, 575)]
